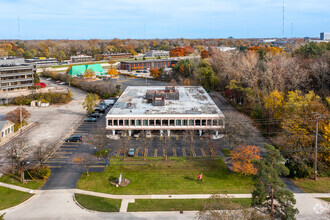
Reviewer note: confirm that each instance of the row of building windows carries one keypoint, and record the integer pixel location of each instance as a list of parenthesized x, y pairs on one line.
[(165, 122)]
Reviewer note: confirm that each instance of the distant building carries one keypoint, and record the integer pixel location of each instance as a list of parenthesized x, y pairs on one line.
[(165, 109), (145, 64), (226, 49), (6, 127), (325, 36), (80, 58), (157, 53), (268, 40), (114, 56), (42, 61), (15, 74), (79, 70)]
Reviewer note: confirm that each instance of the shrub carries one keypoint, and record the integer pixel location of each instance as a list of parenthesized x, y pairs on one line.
[(42, 172)]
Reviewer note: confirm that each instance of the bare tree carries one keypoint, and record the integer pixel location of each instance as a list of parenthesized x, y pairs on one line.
[(145, 143), (85, 160), (98, 138)]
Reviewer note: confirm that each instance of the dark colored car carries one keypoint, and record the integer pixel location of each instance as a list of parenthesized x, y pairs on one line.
[(131, 152), (94, 115), (90, 120), (102, 108), (74, 138)]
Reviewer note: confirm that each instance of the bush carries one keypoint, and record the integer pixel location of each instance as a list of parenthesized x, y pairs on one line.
[(42, 172)]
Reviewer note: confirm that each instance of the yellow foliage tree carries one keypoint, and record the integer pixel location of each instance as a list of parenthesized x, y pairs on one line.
[(274, 102), (186, 82), (89, 74), (112, 71)]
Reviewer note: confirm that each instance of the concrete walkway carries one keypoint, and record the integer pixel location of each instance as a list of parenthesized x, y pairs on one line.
[(60, 204)]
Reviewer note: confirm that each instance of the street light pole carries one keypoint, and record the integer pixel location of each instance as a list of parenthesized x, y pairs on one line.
[(317, 117), (21, 134)]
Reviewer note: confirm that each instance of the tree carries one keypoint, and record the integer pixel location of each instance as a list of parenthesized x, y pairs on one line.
[(154, 72), (89, 73), (36, 78), (15, 116), (98, 138), (187, 82), (204, 54), (85, 160), (179, 52), (90, 102), (270, 190), (112, 72), (243, 156), (206, 75)]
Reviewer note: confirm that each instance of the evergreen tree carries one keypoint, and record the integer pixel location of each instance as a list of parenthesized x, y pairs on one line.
[(270, 190)]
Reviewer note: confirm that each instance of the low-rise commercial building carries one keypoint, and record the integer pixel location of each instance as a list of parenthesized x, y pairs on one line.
[(146, 64), (80, 58), (15, 74), (114, 56), (6, 127), (42, 61), (160, 108), (157, 53)]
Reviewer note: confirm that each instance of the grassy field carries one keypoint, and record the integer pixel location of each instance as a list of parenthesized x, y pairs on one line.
[(98, 203), (322, 185), (10, 197), (325, 199), (175, 176), (15, 181), (144, 205)]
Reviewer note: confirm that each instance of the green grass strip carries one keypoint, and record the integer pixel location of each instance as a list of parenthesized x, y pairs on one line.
[(11, 197), (98, 203)]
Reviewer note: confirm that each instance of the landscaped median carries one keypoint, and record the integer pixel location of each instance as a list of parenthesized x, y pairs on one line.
[(14, 180), (175, 176), (98, 203), (145, 205), (11, 197)]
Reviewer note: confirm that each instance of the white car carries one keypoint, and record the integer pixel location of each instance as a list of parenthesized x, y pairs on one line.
[(113, 137), (148, 134), (62, 83), (48, 79)]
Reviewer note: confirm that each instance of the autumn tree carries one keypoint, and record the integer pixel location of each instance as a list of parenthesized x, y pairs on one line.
[(204, 54), (242, 158), (269, 190), (179, 52), (112, 72), (206, 75), (17, 115), (89, 73), (187, 82), (154, 72), (90, 102)]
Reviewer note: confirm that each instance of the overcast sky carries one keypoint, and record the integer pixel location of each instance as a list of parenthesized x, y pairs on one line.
[(107, 19)]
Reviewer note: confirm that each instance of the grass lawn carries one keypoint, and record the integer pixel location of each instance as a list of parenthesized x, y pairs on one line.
[(14, 180), (322, 185), (98, 203), (175, 176), (10, 197), (325, 199), (226, 152), (178, 204)]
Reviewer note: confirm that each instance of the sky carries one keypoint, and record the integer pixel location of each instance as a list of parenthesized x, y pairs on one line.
[(149, 19)]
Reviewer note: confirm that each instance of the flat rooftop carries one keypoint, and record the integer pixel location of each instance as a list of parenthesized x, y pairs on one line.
[(148, 61), (193, 100)]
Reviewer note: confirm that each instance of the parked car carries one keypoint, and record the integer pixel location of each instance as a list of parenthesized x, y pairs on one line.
[(57, 82), (148, 134), (90, 120), (131, 152), (109, 101), (48, 79), (94, 115), (146, 71), (74, 138), (136, 135), (62, 83)]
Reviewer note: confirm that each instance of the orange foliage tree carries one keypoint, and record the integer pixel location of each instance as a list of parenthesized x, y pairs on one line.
[(186, 82), (242, 158), (89, 73), (179, 52), (204, 54), (154, 72)]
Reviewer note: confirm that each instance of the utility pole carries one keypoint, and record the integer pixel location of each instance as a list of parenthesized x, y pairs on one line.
[(317, 117), (21, 134)]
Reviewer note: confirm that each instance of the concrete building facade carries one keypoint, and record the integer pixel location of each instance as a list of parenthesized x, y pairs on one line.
[(146, 64), (15, 74), (164, 109), (42, 61), (6, 127), (157, 53), (80, 58)]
